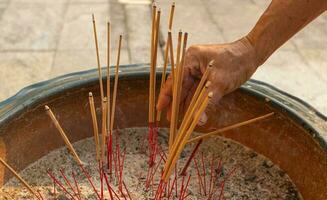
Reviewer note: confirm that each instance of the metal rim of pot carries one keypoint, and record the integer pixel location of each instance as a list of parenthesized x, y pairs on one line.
[(300, 111)]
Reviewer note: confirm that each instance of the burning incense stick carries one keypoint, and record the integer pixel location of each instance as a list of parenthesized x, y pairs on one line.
[(97, 55), (63, 135), (20, 179), (95, 126), (219, 131)]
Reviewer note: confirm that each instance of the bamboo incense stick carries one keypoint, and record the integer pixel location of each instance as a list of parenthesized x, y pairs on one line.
[(95, 126), (186, 121), (171, 16), (171, 52), (154, 14), (196, 95), (63, 135), (97, 55), (154, 64), (114, 97), (108, 74), (219, 131), (103, 128), (173, 120), (168, 50), (28, 187), (169, 166), (163, 76), (180, 78)]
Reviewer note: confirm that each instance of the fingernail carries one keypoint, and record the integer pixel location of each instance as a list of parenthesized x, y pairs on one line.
[(203, 119)]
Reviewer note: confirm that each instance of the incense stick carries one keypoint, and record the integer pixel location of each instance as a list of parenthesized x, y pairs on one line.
[(180, 78), (186, 121), (63, 135), (171, 16), (219, 131), (155, 55), (188, 118), (173, 119), (19, 178), (97, 55), (154, 15), (103, 128), (108, 74), (169, 166), (114, 97), (95, 126), (163, 76)]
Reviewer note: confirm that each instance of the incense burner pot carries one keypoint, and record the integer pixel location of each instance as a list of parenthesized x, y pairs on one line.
[(295, 138)]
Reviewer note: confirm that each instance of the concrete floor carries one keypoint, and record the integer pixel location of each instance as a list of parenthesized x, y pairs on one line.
[(42, 39)]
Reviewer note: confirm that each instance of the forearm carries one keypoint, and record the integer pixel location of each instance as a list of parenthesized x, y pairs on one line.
[(282, 20)]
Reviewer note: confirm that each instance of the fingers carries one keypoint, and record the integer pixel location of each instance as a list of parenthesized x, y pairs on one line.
[(189, 97), (165, 95)]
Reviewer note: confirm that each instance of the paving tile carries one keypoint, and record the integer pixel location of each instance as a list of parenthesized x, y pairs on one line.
[(138, 22), (261, 3), (317, 60), (18, 70), (117, 17), (320, 102), (39, 1), (313, 35), (77, 31), (194, 19), (286, 71), (30, 26), (3, 7), (89, 1), (236, 21), (68, 61)]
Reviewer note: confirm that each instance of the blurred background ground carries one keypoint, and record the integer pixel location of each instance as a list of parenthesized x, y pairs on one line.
[(42, 39)]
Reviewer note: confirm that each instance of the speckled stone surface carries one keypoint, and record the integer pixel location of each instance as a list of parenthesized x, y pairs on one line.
[(58, 36)]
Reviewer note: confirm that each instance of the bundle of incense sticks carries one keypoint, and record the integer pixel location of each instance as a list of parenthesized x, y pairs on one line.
[(155, 117)]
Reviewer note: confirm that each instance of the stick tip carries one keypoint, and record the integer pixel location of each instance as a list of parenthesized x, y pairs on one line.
[(46, 107), (173, 4), (90, 94), (208, 83), (211, 63), (210, 95), (93, 18)]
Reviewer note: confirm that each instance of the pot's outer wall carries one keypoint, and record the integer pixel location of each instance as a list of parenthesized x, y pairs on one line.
[(294, 138)]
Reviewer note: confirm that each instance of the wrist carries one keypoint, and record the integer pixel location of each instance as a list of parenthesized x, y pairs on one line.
[(250, 44)]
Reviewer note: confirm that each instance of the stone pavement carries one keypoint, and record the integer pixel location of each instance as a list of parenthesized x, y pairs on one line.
[(42, 39)]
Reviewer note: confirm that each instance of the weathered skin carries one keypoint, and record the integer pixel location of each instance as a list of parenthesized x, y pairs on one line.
[(235, 63)]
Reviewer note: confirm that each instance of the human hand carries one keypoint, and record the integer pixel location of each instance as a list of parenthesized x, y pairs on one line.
[(233, 64)]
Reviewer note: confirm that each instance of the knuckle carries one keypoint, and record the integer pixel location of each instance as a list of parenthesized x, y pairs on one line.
[(193, 49)]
